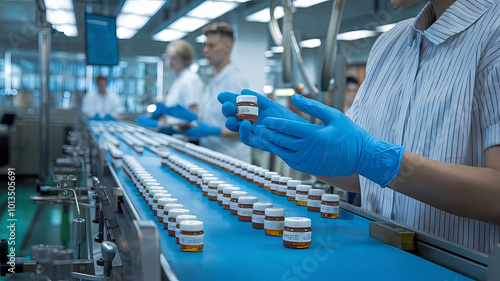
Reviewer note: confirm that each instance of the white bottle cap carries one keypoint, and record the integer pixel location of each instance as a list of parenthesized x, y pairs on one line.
[(167, 201), (263, 172), (208, 179), (275, 178), (157, 191), (181, 218), (316, 192), (275, 212), (247, 200), (191, 226), (246, 98), (251, 168), (214, 183), (293, 183), (193, 169), (154, 187), (236, 194), (229, 189), (223, 185), (201, 172), (173, 213), (269, 174), (297, 222), (285, 179), (262, 206), (157, 196), (168, 207), (330, 197), (303, 187)]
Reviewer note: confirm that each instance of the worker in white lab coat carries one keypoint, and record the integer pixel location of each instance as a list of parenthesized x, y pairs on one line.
[(102, 104)]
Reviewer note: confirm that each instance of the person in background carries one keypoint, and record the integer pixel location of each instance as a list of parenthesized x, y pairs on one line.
[(103, 104), (211, 130), (351, 88), (421, 141)]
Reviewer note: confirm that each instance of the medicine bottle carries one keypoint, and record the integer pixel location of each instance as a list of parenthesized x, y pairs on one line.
[(200, 173), (267, 181), (156, 197), (149, 184), (161, 204), (247, 108), (330, 206), (193, 174), (291, 188), (262, 177), (273, 221), (152, 193), (259, 214), (282, 186), (166, 210), (191, 236), (314, 200), (301, 194), (275, 181), (205, 181), (297, 233), (245, 207), (212, 189), (178, 221), (172, 216), (233, 203), (148, 197), (250, 173), (226, 196), (220, 192)]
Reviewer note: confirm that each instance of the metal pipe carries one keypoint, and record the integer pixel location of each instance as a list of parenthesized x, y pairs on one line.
[(287, 41), (330, 57)]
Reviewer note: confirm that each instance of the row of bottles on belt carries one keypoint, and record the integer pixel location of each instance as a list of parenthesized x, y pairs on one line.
[(316, 200), (296, 231), (185, 227)]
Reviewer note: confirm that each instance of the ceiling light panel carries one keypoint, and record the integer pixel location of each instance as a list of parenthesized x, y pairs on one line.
[(264, 15), (211, 10), (168, 35), (306, 3), (201, 39), (59, 4), (188, 24), (384, 28), (125, 33), (131, 21), (61, 17), (144, 7), (311, 43), (355, 35)]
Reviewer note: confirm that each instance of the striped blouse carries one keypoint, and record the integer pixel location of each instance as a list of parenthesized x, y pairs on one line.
[(435, 89)]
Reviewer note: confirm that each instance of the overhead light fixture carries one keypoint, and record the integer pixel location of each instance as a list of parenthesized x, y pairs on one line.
[(306, 3), (201, 39), (59, 4), (168, 35), (277, 49), (310, 43), (131, 21), (144, 7), (355, 35), (69, 30), (384, 28), (211, 9), (264, 15), (188, 24), (61, 17), (237, 1), (125, 33)]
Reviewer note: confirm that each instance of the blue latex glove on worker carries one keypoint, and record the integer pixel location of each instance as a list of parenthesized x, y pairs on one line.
[(177, 111), (267, 108), (203, 130), (146, 121), (339, 147)]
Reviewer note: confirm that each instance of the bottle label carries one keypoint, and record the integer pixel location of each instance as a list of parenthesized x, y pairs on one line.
[(267, 183), (233, 205), (171, 225), (329, 209), (274, 186), (204, 187), (225, 200), (198, 181), (252, 110), (282, 188), (300, 197), (191, 240), (274, 225), (297, 236), (212, 192), (290, 192), (313, 203), (258, 218), (177, 231), (243, 173), (256, 178), (250, 175), (245, 212), (193, 178), (155, 206), (237, 171), (219, 197)]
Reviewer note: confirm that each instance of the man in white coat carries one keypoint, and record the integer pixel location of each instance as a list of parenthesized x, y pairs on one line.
[(211, 130), (102, 104)]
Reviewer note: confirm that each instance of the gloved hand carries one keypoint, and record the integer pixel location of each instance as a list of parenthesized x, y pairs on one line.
[(339, 147), (145, 121), (202, 130), (97, 117), (178, 111), (108, 117), (267, 108)]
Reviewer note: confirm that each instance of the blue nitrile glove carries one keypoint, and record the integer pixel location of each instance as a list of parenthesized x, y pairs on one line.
[(108, 117), (339, 147), (145, 121), (167, 130), (96, 117), (203, 130), (177, 111), (267, 108)]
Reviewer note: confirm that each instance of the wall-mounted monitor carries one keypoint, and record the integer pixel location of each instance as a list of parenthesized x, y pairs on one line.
[(101, 43)]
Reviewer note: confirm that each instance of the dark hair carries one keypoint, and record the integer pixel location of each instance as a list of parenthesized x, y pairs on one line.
[(221, 28), (351, 80), (100, 77)]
